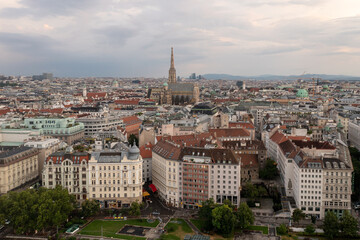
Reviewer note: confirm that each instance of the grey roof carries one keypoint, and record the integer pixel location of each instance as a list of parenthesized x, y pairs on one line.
[(14, 151), (183, 87), (108, 157)]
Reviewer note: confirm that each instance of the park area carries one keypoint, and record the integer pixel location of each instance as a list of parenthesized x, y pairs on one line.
[(176, 229), (201, 225), (111, 228)]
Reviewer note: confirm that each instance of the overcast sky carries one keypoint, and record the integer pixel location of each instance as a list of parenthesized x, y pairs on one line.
[(132, 38)]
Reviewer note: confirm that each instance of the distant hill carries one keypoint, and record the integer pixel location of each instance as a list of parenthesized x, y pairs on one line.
[(278, 77)]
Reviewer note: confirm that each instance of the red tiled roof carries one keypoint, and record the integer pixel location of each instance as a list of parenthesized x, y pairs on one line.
[(76, 158), (54, 110), (278, 137), (167, 150), (248, 160), (313, 144), (288, 148), (299, 138), (4, 111), (229, 132), (127, 101), (146, 150), (131, 120), (96, 95), (193, 140)]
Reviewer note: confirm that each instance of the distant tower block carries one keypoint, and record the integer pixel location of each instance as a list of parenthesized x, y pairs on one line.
[(84, 92), (240, 84), (172, 71)]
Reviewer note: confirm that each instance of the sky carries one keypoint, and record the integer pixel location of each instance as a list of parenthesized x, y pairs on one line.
[(132, 38)]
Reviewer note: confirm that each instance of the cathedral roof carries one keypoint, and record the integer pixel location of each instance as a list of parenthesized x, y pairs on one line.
[(181, 87)]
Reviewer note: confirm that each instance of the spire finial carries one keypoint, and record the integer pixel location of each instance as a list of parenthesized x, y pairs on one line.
[(172, 58)]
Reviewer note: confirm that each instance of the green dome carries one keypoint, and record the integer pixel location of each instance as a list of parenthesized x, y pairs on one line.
[(302, 93), (165, 84), (325, 86)]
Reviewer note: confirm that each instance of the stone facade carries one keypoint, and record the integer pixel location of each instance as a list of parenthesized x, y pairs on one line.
[(17, 167)]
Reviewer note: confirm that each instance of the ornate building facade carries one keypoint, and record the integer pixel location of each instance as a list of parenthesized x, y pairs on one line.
[(173, 92)]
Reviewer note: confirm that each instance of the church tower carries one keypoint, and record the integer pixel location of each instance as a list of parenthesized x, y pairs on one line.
[(172, 71)]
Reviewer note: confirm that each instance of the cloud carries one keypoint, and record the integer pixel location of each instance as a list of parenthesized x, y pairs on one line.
[(133, 37), (46, 8), (48, 27)]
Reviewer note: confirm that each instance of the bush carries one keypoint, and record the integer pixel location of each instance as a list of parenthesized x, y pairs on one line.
[(170, 229), (282, 229), (310, 229), (277, 207), (250, 203)]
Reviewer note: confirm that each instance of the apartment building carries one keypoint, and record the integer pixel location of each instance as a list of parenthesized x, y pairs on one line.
[(146, 154), (94, 124), (45, 147), (354, 132), (18, 166), (316, 174), (65, 129), (112, 176), (68, 169), (115, 177), (187, 176)]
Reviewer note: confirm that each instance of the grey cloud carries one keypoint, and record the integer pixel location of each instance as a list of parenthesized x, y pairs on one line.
[(46, 8), (114, 35), (27, 44)]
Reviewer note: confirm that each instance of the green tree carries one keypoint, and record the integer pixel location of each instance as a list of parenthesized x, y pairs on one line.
[(262, 191), (244, 216), (348, 225), (41, 209), (251, 191), (89, 208), (282, 229), (298, 215), (270, 171), (135, 209), (205, 213), (223, 219), (133, 139), (310, 229), (331, 225)]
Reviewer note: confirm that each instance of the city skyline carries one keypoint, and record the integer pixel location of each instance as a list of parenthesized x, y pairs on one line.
[(133, 38)]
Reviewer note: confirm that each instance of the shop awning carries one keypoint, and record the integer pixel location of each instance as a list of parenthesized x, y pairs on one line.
[(153, 188), (145, 194)]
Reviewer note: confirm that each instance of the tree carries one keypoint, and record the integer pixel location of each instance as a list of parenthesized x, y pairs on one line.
[(244, 216), (348, 225), (37, 210), (251, 191), (223, 219), (298, 215), (205, 213), (313, 219), (331, 225), (135, 209), (133, 139), (270, 171), (282, 229), (262, 191), (310, 229), (89, 208)]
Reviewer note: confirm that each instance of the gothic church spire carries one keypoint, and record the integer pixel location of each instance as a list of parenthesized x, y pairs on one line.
[(172, 71)]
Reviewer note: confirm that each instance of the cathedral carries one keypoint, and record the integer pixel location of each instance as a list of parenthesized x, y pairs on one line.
[(175, 93)]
